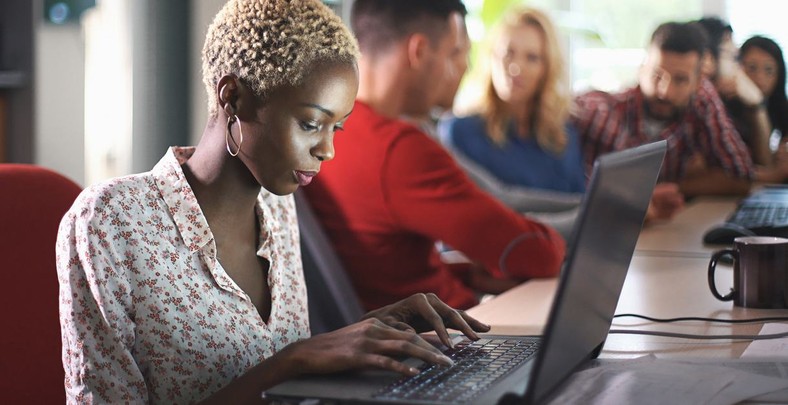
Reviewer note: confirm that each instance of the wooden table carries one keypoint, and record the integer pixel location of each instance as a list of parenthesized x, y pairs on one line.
[(683, 236), (667, 278)]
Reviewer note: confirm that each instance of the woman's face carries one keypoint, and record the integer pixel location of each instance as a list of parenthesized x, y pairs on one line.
[(292, 133), (761, 68), (518, 64)]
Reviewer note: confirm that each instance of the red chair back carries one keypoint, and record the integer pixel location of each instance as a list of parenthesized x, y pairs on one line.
[(32, 202)]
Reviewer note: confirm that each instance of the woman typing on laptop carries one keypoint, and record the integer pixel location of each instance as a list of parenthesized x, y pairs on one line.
[(184, 284)]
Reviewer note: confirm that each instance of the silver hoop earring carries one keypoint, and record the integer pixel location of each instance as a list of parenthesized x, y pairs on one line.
[(229, 135)]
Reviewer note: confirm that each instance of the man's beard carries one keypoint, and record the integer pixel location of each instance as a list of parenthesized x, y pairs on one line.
[(660, 113)]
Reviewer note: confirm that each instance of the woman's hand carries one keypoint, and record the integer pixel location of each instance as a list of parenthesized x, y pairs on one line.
[(366, 344), (379, 341), (424, 312)]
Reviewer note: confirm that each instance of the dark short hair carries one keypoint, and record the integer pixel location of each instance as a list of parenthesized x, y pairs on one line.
[(380, 23), (715, 28), (680, 38)]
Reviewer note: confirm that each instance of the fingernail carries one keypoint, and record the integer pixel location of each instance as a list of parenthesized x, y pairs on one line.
[(413, 370), (445, 360)]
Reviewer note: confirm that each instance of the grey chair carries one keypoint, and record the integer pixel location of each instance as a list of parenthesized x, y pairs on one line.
[(333, 302)]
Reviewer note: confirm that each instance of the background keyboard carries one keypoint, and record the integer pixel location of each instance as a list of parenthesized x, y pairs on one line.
[(764, 215), (765, 212)]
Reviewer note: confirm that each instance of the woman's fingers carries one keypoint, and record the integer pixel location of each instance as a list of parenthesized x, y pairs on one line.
[(371, 360), (457, 319), (414, 346), (370, 343), (424, 305), (383, 332), (402, 326), (396, 323), (423, 312), (465, 323), (475, 324)]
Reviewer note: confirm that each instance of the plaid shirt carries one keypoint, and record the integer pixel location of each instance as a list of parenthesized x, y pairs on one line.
[(609, 122)]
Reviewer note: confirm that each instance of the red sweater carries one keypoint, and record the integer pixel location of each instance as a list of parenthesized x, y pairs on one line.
[(392, 192)]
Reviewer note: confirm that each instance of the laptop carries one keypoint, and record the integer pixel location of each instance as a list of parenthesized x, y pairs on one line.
[(604, 237), (762, 213)]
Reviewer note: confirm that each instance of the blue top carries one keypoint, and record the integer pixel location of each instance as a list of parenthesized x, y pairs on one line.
[(519, 161)]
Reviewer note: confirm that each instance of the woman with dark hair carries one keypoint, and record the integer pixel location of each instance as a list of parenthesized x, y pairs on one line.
[(746, 101), (762, 61)]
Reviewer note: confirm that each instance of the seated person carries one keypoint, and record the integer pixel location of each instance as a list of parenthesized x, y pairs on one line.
[(744, 102), (706, 155), (555, 208), (458, 66), (520, 135), (395, 191), (184, 284), (762, 60)]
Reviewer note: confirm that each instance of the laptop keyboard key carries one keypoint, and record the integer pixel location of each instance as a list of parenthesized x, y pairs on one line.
[(477, 365)]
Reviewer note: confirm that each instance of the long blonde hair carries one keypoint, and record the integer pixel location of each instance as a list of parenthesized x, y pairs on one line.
[(552, 100)]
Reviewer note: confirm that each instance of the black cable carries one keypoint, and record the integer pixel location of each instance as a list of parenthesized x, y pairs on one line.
[(699, 337), (696, 318)]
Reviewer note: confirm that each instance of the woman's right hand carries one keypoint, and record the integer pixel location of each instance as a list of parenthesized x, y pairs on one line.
[(366, 344)]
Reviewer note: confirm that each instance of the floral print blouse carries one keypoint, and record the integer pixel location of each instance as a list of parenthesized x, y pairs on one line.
[(147, 313)]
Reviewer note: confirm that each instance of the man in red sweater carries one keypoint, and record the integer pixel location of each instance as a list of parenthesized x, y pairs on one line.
[(393, 191)]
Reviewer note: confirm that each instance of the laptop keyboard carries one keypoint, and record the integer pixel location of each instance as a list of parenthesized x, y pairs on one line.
[(761, 215), (477, 365), (764, 212)]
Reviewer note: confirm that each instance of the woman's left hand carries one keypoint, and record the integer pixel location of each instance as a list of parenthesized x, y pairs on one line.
[(425, 312)]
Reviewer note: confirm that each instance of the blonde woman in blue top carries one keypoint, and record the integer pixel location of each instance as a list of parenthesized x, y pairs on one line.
[(519, 134)]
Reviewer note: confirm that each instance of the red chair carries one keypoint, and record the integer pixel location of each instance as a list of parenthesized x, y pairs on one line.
[(32, 202)]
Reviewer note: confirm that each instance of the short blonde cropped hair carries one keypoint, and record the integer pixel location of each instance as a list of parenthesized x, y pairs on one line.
[(270, 43)]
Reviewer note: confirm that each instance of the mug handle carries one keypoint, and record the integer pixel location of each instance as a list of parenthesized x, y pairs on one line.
[(712, 265)]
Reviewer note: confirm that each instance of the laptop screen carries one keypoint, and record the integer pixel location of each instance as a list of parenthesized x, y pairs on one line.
[(604, 240)]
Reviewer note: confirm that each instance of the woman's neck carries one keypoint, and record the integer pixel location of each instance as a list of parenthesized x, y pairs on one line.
[(522, 114), (224, 188)]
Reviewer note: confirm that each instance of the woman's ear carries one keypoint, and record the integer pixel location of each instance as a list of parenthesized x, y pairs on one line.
[(227, 94)]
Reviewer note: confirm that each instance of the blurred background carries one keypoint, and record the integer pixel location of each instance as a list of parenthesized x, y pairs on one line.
[(99, 88)]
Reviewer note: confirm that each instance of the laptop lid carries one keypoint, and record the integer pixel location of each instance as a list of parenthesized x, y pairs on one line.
[(602, 246), (604, 238)]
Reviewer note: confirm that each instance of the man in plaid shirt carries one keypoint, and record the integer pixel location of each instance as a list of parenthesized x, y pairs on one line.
[(706, 155)]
